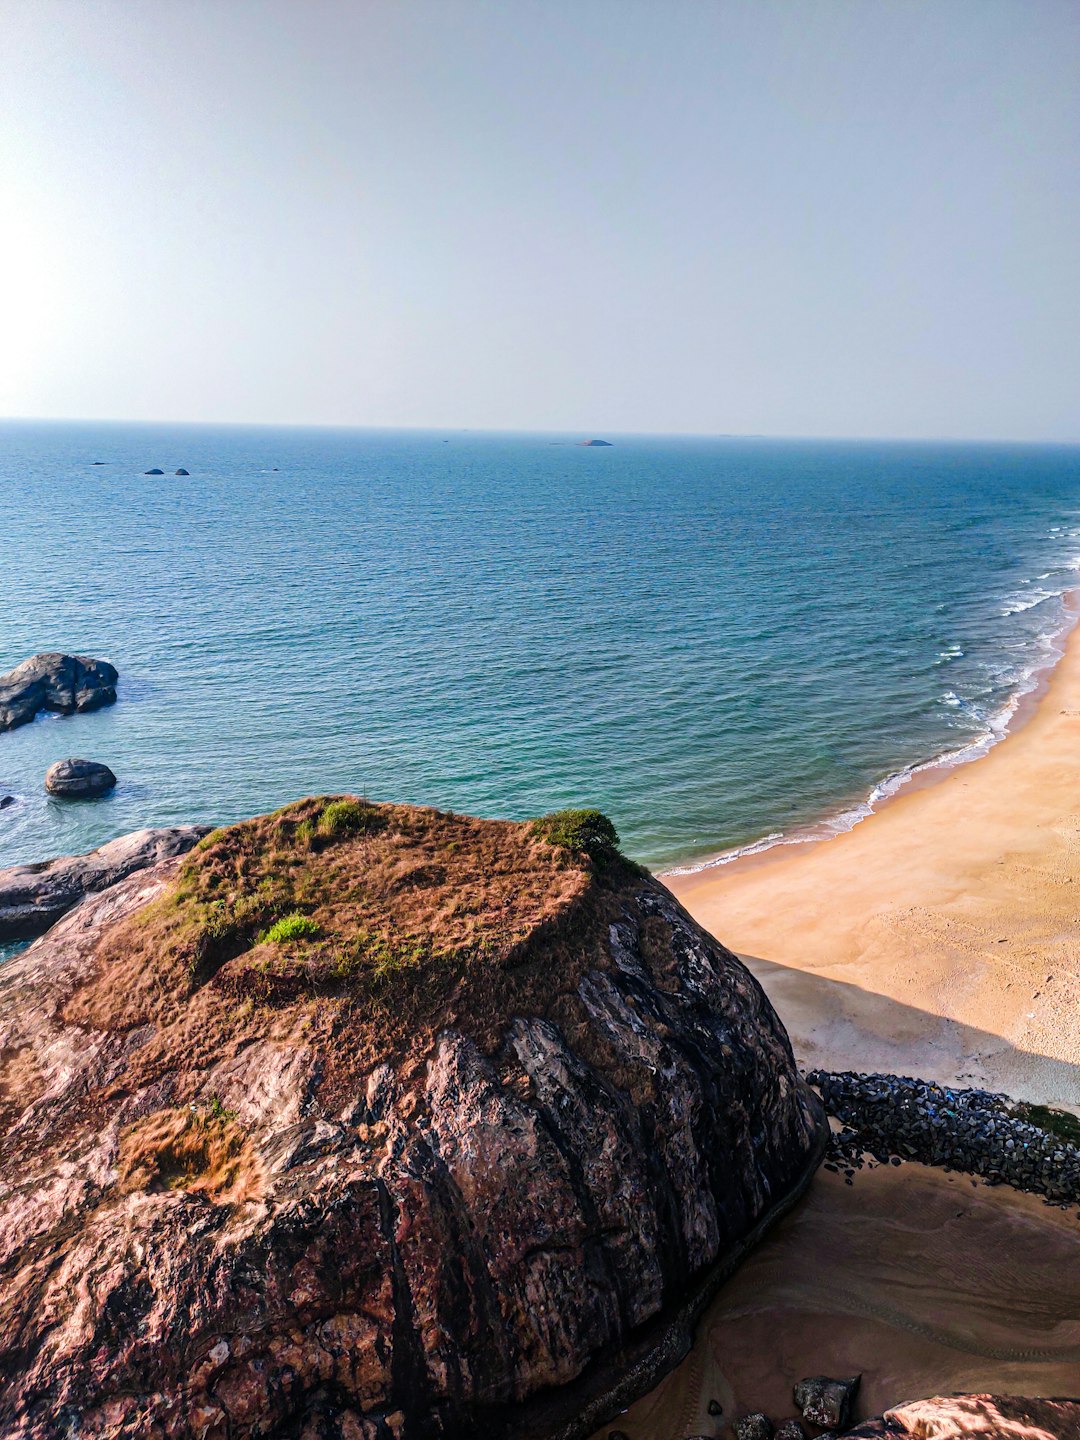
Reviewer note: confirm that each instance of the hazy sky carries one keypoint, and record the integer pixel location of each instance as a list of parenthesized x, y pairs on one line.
[(802, 217)]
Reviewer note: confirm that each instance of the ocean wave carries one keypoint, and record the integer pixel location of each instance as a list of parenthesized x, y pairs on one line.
[(1017, 604), (1049, 647)]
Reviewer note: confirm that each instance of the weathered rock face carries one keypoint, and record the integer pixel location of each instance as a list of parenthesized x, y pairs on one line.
[(490, 1121), (64, 683), (33, 897), (992, 1417)]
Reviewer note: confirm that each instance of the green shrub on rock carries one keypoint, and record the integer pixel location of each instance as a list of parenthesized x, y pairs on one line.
[(349, 817), (292, 927), (589, 832)]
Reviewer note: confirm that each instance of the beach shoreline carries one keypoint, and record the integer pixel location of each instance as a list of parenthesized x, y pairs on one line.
[(1018, 710), (936, 936)]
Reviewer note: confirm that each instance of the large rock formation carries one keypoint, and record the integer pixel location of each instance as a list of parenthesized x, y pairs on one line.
[(989, 1417), (376, 1122), (65, 683), (33, 897)]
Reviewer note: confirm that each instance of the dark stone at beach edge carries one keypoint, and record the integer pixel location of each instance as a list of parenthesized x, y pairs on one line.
[(33, 897), (79, 779), (824, 1402), (54, 681)]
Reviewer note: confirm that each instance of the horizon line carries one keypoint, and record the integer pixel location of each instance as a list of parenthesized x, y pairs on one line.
[(524, 430)]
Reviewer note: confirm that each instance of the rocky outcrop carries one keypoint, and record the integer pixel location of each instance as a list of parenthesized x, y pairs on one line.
[(605, 443), (990, 1417), (79, 779), (64, 683), (33, 897), (374, 1122)]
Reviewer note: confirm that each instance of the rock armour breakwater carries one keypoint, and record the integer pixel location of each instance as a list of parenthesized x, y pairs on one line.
[(985, 1134)]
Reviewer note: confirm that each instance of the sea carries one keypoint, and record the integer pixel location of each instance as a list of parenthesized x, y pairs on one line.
[(724, 643)]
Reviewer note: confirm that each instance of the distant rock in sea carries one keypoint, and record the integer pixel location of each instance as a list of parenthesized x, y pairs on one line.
[(596, 442), (79, 779), (100, 462), (6, 800), (52, 681), (183, 472), (373, 1120), (33, 897), (153, 472)]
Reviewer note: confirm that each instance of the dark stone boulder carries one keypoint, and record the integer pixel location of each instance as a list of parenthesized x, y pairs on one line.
[(79, 779), (33, 897), (824, 1402), (790, 1430), (754, 1427), (6, 800), (988, 1417), (447, 1160), (183, 472), (153, 472), (53, 681)]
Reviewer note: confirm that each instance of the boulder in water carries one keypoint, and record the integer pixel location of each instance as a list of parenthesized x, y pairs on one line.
[(53, 681), (368, 1121), (79, 779), (183, 472), (153, 472)]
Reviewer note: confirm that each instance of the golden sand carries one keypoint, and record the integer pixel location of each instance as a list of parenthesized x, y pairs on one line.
[(918, 1280), (941, 936)]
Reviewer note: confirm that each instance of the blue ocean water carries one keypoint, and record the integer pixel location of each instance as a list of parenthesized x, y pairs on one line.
[(713, 640)]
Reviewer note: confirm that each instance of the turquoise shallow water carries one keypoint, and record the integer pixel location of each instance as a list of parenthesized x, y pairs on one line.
[(713, 640)]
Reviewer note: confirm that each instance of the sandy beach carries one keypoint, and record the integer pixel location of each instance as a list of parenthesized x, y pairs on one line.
[(923, 1282), (941, 936)]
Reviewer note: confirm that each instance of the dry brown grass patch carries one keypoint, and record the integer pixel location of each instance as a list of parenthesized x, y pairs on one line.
[(201, 1154)]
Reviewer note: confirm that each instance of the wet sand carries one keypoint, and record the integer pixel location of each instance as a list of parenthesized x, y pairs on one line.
[(941, 936), (924, 1283)]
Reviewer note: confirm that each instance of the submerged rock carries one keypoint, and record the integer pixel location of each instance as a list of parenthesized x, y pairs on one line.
[(990, 1417), (183, 472), (369, 1121), (6, 800), (153, 472), (79, 779), (52, 681), (33, 897)]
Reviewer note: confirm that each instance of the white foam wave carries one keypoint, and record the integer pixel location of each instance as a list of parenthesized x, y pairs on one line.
[(1017, 604), (1050, 648)]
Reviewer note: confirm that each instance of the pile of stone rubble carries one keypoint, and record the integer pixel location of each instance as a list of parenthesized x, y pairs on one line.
[(895, 1117)]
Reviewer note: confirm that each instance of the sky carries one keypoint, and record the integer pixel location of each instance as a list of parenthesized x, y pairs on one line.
[(780, 217)]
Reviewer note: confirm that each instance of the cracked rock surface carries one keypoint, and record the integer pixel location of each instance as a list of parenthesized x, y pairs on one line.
[(228, 1208)]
